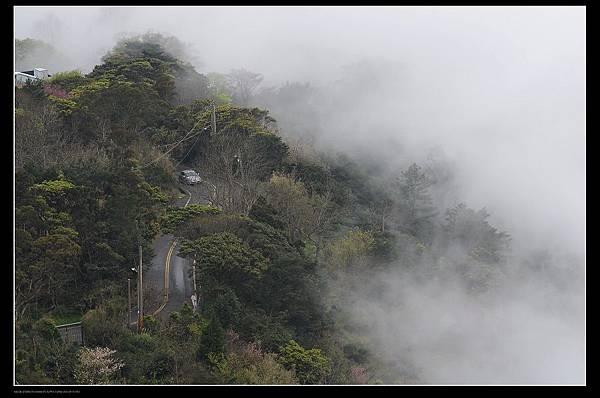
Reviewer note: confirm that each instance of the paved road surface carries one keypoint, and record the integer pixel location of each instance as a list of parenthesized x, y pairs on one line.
[(180, 281)]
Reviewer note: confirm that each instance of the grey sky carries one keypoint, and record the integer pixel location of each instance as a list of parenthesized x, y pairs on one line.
[(501, 90)]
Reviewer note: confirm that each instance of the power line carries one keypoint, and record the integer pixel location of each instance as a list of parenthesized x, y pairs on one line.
[(189, 150), (214, 129), (174, 146), (185, 138), (167, 152)]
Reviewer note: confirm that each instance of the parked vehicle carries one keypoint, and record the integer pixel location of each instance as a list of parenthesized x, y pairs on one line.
[(189, 177)]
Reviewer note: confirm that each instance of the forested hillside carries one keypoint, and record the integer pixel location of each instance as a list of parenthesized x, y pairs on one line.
[(291, 235)]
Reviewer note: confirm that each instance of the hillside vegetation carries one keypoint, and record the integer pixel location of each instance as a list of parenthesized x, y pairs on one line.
[(287, 240)]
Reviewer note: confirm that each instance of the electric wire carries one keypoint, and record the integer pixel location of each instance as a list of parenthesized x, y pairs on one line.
[(176, 144)]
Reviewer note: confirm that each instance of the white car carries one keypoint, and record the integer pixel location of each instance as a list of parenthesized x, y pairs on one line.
[(189, 177)]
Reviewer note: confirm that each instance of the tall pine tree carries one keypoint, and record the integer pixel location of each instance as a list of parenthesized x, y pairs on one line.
[(417, 211)]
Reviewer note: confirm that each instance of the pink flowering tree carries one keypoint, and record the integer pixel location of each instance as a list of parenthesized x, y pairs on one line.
[(359, 375), (57, 91), (247, 363)]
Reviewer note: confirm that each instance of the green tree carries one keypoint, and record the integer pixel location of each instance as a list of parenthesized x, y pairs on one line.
[(58, 256), (180, 340), (224, 259), (41, 357), (226, 307), (213, 339), (348, 249), (249, 364), (178, 81), (417, 211), (304, 216), (106, 324), (176, 216), (67, 80), (311, 366), (470, 230)]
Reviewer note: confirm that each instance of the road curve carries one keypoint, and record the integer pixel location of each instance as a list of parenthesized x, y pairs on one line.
[(179, 284), (170, 272)]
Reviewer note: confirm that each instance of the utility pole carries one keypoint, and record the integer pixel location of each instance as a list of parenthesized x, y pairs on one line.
[(129, 302), (195, 295), (214, 119), (140, 294), (140, 322), (194, 272)]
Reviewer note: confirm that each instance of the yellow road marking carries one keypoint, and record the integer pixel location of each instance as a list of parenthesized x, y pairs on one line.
[(168, 268), (166, 278)]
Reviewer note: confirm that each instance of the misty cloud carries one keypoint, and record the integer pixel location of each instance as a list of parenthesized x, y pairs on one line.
[(521, 333), (499, 93)]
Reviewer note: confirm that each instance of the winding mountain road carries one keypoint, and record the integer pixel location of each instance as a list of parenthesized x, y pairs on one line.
[(169, 271)]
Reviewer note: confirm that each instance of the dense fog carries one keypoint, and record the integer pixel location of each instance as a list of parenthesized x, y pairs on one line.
[(494, 96)]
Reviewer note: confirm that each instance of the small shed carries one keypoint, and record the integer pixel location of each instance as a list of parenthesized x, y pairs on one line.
[(71, 333)]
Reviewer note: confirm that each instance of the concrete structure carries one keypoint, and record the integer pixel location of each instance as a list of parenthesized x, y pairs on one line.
[(71, 333), (22, 78)]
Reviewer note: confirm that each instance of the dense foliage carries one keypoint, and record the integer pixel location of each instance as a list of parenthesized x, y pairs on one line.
[(278, 252)]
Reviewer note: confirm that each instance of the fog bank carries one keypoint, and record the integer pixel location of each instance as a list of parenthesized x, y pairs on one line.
[(498, 92)]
